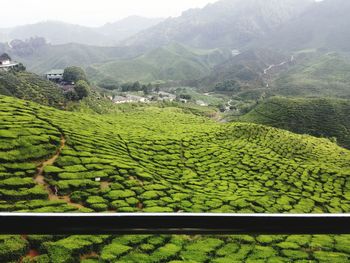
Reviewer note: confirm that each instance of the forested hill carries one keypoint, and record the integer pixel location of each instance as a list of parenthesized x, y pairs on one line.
[(319, 117)]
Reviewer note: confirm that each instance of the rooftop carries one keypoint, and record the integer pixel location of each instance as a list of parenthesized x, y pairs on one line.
[(55, 72), (9, 65)]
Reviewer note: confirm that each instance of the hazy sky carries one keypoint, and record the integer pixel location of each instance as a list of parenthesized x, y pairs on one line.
[(89, 12)]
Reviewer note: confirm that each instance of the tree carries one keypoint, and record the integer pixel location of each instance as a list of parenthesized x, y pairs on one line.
[(71, 95), (5, 56), (136, 86), (185, 96), (74, 74), (82, 89), (20, 67), (146, 90)]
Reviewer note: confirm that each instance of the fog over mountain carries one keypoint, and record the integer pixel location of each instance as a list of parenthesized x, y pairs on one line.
[(226, 23), (62, 33), (324, 25)]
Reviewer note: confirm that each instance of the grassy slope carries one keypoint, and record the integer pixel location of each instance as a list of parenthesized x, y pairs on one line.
[(25, 85), (326, 75), (317, 117), (172, 62), (164, 160)]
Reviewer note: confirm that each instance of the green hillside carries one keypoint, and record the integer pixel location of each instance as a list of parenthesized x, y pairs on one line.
[(316, 76), (244, 73), (28, 86), (163, 160), (172, 62), (317, 117)]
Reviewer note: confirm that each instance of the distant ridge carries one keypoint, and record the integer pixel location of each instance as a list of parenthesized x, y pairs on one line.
[(226, 23), (57, 33)]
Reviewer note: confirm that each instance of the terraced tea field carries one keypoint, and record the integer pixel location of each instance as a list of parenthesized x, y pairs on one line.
[(163, 160)]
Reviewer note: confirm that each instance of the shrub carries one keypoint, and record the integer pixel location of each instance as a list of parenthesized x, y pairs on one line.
[(165, 253), (114, 251), (334, 257), (120, 194), (38, 259), (228, 249), (295, 254), (342, 243), (260, 252), (12, 248), (95, 200)]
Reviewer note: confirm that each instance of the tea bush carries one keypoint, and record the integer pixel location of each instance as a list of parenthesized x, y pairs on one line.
[(164, 160)]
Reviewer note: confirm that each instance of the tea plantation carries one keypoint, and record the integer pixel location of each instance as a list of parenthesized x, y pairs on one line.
[(321, 117), (164, 160)]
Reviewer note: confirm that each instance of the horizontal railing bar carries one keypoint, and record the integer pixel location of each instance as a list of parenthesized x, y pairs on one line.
[(172, 223)]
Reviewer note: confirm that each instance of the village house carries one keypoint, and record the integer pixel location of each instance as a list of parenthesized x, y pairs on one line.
[(165, 96), (6, 63), (129, 99), (55, 75)]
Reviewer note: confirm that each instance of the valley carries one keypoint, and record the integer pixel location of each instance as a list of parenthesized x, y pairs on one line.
[(239, 106)]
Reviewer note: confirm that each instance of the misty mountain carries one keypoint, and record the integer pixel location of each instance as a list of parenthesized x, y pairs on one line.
[(58, 33), (226, 23), (246, 70), (127, 27), (40, 57), (325, 25)]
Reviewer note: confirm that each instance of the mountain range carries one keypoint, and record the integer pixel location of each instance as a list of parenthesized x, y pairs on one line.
[(324, 26), (262, 33), (226, 23), (58, 33)]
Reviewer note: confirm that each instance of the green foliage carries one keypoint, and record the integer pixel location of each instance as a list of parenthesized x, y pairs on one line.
[(113, 251), (74, 74), (82, 89), (28, 86), (12, 248), (320, 75), (191, 163)]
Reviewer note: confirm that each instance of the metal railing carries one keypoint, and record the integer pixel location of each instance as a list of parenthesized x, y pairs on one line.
[(173, 223)]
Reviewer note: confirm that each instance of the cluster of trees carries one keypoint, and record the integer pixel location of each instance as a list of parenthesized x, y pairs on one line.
[(129, 86), (185, 96), (137, 86), (27, 47), (77, 76), (228, 85)]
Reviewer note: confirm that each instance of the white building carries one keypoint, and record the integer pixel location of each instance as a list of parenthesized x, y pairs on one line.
[(55, 75), (6, 63), (130, 99)]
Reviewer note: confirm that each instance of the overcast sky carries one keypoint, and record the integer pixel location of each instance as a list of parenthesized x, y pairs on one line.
[(89, 12)]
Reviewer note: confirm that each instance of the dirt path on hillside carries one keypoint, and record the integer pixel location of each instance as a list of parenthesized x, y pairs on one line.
[(278, 65), (271, 67), (40, 178)]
